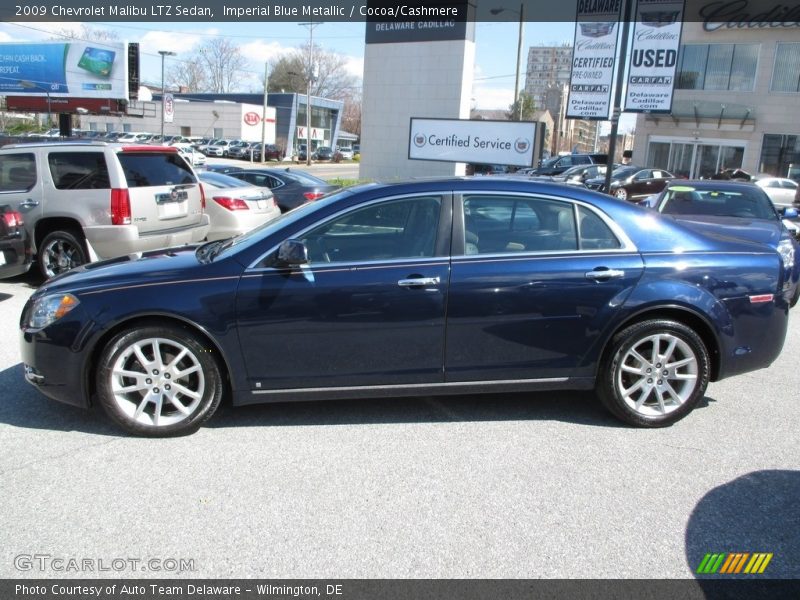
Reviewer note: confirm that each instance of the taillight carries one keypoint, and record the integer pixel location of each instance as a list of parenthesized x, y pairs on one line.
[(120, 207), (202, 197), (231, 203), (311, 196), (12, 219)]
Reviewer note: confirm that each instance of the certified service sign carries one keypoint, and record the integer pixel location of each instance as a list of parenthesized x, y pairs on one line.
[(462, 140)]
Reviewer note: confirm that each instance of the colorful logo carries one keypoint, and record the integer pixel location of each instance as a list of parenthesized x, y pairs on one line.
[(419, 140), (732, 563), (522, 145), (252, 118)]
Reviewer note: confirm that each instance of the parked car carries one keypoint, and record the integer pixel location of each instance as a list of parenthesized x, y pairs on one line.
[(89, 200), (409, 289), (15, 247), (780, 190), (558, 164), (323, 153), (222, 168), (290, 186), (633, 183), (480, 169), (243, 150), (345, 153), (192, 156), (734, 209), (576, 175), (218, 148), (235, 206)]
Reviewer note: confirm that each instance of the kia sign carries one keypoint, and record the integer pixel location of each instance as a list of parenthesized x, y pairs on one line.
[(461, 140), (252, 118), (169, 108), (654, 56), (593, 59)]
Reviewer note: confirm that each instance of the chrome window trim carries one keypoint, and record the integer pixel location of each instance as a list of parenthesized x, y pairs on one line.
[(442, 195), (627, 244)]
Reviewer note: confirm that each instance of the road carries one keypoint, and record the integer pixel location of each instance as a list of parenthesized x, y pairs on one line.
[(500, 486)]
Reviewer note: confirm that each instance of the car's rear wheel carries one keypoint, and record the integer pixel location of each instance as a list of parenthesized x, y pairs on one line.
[(60, 251), (159, 381), (621, 193), (654, 374)]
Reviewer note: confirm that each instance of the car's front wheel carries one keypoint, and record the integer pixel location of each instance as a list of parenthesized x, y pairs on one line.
[(621, 193), (159, 381), (654, 374)]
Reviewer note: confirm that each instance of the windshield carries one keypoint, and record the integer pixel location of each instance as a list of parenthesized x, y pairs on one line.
[(687, 200)]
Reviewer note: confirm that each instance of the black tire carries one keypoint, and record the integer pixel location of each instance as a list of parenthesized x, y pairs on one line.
[(642, 398), (61, 251), (146, 399)]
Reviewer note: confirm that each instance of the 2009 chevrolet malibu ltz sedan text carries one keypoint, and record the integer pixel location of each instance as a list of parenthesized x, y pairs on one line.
[(432, 287)]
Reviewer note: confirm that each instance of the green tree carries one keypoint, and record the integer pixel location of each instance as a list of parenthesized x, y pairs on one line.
[(525, 106)]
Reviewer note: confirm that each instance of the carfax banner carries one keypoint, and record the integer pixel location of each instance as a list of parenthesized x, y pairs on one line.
[(82, 69), (593, 59), (654, 56)]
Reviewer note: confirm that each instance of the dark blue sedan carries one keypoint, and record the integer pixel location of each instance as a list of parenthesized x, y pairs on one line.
[(432, 287)]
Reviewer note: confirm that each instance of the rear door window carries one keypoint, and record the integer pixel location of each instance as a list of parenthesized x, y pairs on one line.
[(78, 170), (148, 169)]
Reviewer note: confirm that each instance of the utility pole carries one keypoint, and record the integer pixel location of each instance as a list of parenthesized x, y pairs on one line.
[(309, 79), (623, 59), (264, 115)]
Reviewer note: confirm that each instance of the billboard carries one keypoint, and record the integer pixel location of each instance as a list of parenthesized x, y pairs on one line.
[(463, 140), (83, 69), (593, 60), (654, 56)]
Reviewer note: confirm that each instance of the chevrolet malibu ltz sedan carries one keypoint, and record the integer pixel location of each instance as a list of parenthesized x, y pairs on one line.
[(446, 286)]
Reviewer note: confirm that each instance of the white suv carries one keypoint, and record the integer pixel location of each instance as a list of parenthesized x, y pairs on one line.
[(86, 201)]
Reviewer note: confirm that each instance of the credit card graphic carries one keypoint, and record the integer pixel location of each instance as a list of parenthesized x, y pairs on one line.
[(97, 61)]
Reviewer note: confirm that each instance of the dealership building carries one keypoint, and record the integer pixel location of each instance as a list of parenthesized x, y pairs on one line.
[(737, 93)]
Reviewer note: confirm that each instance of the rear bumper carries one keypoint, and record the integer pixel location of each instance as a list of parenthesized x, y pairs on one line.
[(117, 240), (15, 256)]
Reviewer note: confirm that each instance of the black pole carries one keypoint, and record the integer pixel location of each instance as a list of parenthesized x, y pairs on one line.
[(623, 59)]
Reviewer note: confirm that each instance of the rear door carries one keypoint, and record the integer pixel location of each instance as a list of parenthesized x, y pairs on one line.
[(164, 191), (20, 185)]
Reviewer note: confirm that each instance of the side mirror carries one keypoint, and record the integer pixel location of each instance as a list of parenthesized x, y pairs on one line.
[(292, 253), (789, 213)]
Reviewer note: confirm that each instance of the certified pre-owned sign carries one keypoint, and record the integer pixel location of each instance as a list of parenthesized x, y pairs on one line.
[(461, 140)]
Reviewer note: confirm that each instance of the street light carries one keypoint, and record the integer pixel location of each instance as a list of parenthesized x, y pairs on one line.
[(30, 85), (163, 53), (521, 13)]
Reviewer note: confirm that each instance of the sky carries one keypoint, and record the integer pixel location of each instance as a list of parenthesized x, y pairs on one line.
[(495, 47)]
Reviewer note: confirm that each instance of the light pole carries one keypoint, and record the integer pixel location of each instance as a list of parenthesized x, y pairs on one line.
[(30, 85), (163, 54), (309, 79), (521, 13)]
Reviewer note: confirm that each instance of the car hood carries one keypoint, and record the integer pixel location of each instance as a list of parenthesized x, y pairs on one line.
[(147, 267), (762, 231)]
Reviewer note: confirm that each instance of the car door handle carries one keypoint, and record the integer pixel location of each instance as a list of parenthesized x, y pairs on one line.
[(28, 203), (419, 282), (600, 274)]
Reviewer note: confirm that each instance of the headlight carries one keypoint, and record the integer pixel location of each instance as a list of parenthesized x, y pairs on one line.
[(786, 250), (49, 309)]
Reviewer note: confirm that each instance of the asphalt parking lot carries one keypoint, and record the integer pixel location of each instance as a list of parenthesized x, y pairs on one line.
[(500, 486)]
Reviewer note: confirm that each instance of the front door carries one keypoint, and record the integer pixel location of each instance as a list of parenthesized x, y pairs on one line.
[(368, 309)]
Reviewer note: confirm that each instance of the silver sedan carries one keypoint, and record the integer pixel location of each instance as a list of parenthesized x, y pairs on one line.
[(235, 207)]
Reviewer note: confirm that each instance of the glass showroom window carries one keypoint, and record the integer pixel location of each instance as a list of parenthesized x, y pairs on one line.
[(786, 73), (717, 67), (780, 155)]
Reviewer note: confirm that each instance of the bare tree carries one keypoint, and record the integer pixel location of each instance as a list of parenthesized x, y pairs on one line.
[(351, 114), (86, 33), (188, 75), (330, 77)]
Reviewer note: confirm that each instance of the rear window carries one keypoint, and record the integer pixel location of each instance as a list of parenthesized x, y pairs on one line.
[(304, 178), (145, 169), (17, 172)]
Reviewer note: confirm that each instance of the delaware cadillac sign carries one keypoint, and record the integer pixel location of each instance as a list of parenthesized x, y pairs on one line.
[(654, 56), (463, 140)]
